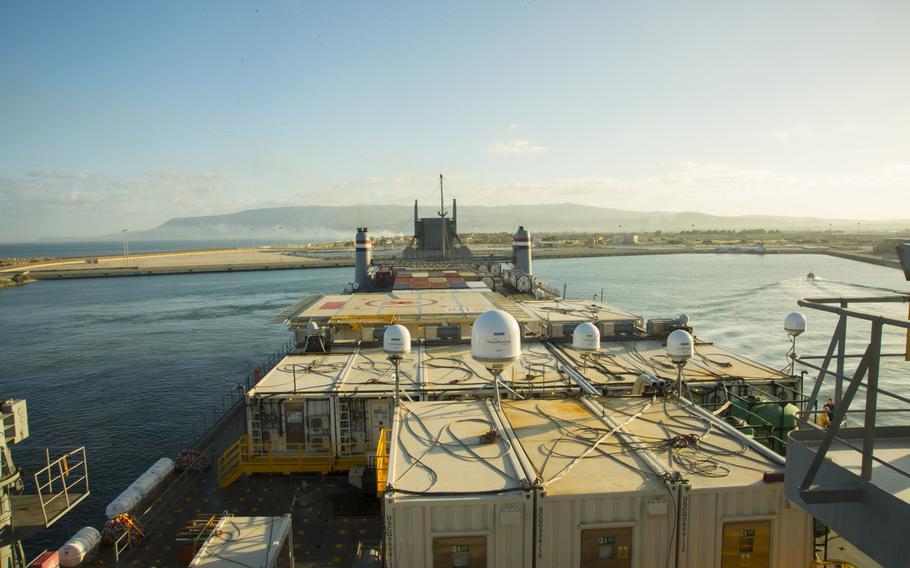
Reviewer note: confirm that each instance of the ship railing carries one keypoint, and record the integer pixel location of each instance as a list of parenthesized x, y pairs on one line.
[(846, 387), (232, 400), (151, 515), (245, 457), (62, 484)]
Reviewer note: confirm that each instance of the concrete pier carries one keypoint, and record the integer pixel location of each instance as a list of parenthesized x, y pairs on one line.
[(239, 260)]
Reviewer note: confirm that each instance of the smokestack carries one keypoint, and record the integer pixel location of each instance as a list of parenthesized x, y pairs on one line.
[(363, 254), (521, 251)]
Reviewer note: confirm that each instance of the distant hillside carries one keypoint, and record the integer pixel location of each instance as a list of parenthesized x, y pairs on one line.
[(337, 223)]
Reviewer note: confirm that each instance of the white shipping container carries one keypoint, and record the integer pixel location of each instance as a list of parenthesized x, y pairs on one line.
[(457, 494), (733, 512), (598, 501)]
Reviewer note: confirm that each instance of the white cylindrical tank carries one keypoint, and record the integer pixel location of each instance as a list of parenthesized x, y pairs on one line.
[(148, 481), (144, 484), (79, 547), (363, 254), (496, 339), (521, 250), (396, 340), (124, 503), (162, 467), (586, 337), (795, 323), (680, 346)]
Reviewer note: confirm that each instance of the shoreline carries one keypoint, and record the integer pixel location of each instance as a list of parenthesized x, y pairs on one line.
[(248, 260)]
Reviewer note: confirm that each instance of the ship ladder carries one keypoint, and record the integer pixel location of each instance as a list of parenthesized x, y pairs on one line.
[(344, 424), (256, 431)]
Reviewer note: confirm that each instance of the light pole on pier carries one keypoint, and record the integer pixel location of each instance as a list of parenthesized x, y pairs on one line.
[(126, 245)]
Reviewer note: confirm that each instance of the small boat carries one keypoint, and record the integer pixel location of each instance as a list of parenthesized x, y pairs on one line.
[(810, 276)]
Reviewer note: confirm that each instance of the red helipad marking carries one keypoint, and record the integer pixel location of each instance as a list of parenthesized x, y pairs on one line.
[(332, 305), (398, 303)]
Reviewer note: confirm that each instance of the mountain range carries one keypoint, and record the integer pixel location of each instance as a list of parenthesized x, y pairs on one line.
[(329, 223)]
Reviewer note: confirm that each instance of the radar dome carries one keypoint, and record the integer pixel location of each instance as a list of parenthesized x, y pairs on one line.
[(311, 328), (396, 340), (683, 320), (679, 346), (795, 323), (495, 339), (586, 337)]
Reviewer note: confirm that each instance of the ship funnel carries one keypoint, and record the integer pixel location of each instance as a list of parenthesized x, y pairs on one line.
[(362, 257), (521, 251)]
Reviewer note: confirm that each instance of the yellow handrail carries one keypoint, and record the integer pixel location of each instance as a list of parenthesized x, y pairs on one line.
[(244, 457), (382, 461)]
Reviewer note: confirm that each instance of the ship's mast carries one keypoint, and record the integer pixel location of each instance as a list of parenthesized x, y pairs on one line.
[(442, 217)]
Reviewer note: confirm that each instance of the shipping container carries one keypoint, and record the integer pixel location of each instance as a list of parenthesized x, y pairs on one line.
[(322, 402), (732, 505), (597, 504), (457, 494)]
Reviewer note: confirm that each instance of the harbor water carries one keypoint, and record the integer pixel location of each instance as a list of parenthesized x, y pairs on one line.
[(127, 366)]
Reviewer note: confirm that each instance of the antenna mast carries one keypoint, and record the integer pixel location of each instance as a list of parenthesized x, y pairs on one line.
[(442, 215), (442, 211)]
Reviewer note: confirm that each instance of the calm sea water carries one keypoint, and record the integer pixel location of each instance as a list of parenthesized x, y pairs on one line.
[(124, 366)]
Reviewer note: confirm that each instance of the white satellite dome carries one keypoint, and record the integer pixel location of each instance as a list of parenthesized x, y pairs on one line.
[(495, 339), (795, 323), (312, 327), (586, 337), (680, 346), (396, 340)]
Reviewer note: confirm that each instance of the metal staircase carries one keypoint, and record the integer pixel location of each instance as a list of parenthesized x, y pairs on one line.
[(856, 479)]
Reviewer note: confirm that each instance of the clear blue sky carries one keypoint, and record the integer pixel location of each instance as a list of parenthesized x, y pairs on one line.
[(121, 114)]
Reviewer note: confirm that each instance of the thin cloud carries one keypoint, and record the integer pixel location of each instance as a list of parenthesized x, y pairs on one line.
[(792, 132), (515, 148)]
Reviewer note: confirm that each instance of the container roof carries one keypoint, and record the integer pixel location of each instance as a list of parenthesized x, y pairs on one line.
[(575, 311), (709, 458), (310, 373), (439, 451), (554, 434), (244, 541), (442, 368), (451, 368), (624, 361), (371, 373)]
